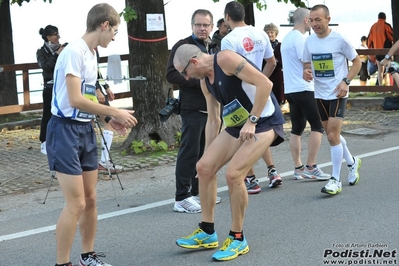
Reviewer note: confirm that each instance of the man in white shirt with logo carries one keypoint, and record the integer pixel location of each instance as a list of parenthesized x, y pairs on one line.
[(325, 61)]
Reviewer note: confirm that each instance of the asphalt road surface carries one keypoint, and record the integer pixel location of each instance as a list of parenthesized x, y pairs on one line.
[(294, 224)]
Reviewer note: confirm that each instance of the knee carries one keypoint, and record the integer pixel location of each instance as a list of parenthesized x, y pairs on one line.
[(203, 170), (333, 139), (76, 207), (233, 178)]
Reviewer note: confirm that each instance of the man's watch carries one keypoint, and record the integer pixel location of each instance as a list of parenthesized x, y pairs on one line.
[(253, 118), (347, 81), (387, 57)]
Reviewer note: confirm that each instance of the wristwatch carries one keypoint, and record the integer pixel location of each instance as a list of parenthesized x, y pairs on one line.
[(347, 81), (253, 118), (387, 57)]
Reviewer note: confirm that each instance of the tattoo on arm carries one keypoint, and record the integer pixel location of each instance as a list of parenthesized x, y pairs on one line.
[(240, 67)]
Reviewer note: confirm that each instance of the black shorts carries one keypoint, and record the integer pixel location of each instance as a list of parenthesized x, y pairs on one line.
[(331, 108), (71, 146), (262, 127), (303, 109), (363, 73)]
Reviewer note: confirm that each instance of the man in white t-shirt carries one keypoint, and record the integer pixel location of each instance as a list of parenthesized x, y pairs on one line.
[(71, 141), (300, 96), (254, 45), (325, 61)]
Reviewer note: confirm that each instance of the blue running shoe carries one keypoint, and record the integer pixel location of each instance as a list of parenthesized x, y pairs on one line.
[(231, 249), (199, 239)]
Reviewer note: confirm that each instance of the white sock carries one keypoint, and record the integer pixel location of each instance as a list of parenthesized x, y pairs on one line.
[(347, 154), (108, 136), (336, 158)]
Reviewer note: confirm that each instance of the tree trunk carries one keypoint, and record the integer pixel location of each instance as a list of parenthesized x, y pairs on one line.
[(8, 84), (148, 58), (395, 22)]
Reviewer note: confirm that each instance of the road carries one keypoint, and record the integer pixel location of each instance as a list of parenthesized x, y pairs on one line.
[(294, 224)]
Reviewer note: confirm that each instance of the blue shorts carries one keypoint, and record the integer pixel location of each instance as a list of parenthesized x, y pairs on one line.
[(71, 146)]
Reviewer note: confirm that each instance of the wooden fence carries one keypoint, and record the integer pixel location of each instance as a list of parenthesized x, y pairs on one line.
[(27, 106)]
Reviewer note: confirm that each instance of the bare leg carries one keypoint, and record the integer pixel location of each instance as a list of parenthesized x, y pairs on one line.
[(295, 148), (313, 146), (88, 219), (72, 187)]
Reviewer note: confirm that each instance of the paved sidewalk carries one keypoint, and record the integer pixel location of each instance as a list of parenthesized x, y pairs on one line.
[(24, 169)]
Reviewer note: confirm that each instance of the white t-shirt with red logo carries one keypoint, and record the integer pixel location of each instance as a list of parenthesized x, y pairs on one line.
[(250, 42)]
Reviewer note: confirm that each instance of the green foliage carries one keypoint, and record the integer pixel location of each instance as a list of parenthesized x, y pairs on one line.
[(129, 14), (178, 138), (261, 5), (140, 147)]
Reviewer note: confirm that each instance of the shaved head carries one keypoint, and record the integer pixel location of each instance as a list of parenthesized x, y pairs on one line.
[(300, 14), (184, 53)]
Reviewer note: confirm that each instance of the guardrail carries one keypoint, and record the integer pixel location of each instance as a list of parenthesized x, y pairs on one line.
[(27, 106)]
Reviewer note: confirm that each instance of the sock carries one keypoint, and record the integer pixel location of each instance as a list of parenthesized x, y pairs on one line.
[(347, 155), (237, 235), (86, 255), (271, 168), (64, 264), (336, 158), (299, 167), (250, 176), (208, 228), (108, 136), (310, 167)]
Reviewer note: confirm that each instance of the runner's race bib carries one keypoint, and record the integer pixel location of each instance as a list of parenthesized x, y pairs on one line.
[(234, 114), (89, 93), (323, 65)]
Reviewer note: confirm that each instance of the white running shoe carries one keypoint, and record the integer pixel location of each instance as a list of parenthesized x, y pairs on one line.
[(298, 174), (188, 205), (333, 187), (315, 173), (353, 175), (197, 199), (43, 149)]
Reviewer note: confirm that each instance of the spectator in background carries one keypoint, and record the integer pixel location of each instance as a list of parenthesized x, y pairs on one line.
[(46, 58), (220, 33), (380, 36), (240, 39), (277, 76), (193, 113), (363, 74)]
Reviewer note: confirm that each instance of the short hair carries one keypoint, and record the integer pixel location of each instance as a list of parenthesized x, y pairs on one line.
[(364, 38), (382, 15), (235, 10), (271, 27), (203, 12), (49, 30), (185, 52), (324, 7), (100, 13), (299, 15), (220, 22)]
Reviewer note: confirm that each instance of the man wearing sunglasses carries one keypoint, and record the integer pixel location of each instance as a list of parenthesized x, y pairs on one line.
[(252, 126), (193, 113)]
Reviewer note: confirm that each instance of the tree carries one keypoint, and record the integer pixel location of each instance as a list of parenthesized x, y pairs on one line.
[(148, 57), (8, 84), (261, 5)]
